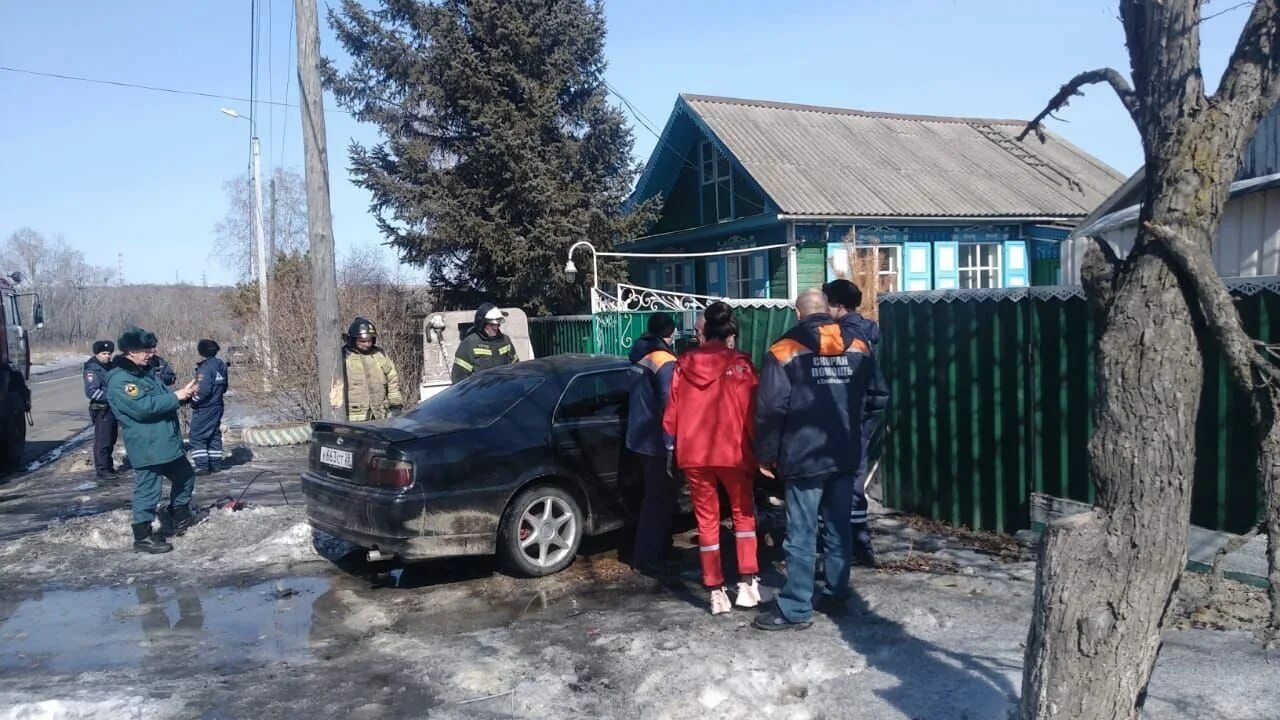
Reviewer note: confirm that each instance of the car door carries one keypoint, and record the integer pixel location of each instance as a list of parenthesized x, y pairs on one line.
[(589, 432)]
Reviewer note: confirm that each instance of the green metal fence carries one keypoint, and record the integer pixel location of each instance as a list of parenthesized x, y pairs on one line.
[(613, 333), (992, 399)]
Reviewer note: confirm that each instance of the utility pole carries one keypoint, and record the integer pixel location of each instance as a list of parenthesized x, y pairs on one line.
[(324, 273), (264, 271)]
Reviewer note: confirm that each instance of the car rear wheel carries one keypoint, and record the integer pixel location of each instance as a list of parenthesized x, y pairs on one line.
[(541, 531)]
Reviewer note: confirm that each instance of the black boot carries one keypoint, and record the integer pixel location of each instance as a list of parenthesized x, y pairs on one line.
[(183, 518), (165, 516), (143, 541)]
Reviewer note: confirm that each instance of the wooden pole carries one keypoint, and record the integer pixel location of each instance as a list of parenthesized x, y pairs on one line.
[(324, 273)]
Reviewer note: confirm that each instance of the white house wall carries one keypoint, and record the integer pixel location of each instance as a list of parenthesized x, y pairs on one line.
[(1248, 242)]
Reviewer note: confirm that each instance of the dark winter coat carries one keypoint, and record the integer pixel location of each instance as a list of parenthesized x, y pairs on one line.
[(95, 382), (211, 383), (818, 383), (147, 411), (478, 352), (162, 370), (711, 407), (652, 366), (861, 327)]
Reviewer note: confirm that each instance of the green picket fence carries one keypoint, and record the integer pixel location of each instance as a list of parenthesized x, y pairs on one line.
[(991, 399)]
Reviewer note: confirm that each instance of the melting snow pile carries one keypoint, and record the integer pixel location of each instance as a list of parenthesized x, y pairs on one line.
[(99, 548), (134, 708)]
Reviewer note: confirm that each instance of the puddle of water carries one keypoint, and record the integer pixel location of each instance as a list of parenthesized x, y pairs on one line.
[(146, 625)]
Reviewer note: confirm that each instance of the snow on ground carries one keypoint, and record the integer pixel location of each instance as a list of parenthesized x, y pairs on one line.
[(129, 708), (98, 548), (248, 617)]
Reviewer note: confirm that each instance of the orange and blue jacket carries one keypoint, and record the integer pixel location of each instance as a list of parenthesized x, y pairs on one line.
[(819, 383), (652, 365)]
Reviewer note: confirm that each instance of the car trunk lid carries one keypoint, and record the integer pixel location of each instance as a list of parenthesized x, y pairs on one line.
[(360, 454)]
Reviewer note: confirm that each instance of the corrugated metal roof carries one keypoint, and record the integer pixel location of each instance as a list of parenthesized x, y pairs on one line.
[(830, 161)]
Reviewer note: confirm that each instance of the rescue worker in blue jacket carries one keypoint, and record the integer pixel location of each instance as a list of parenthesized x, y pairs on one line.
[(844, 298), (148, 416), (205, 431), (817, 384), (653, 363), (105, 429)]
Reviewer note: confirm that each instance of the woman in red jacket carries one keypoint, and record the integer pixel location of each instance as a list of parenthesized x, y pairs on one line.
[(708, 422)]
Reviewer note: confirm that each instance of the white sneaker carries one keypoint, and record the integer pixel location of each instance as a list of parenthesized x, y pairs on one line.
[(748, 594), (720, 602)]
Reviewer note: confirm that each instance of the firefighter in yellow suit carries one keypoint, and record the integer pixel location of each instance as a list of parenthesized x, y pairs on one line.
[(371, 384)]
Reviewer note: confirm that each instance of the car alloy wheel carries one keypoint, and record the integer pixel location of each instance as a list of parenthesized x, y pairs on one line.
[(541, 531), (548, 530)]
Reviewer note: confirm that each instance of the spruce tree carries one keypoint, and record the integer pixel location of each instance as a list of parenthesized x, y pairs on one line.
[(499, 147)]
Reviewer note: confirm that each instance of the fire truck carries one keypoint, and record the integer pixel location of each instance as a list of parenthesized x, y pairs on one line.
[(15, 369)]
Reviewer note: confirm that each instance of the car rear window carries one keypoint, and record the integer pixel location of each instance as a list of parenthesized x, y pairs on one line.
[(477, 401)]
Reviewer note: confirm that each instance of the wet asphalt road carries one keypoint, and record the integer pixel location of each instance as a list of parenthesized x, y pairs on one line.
[(60, 411)]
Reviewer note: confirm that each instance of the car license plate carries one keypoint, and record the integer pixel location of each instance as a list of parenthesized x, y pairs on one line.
[(335, 457)]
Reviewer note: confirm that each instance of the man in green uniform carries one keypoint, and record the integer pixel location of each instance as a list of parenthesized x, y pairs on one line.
[(148, 416), (372, 385), (484, 346)]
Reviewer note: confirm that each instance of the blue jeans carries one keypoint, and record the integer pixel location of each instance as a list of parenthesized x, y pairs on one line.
[(147, 489), (832, 495)]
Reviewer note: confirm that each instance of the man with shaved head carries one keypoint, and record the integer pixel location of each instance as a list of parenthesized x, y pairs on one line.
[(818, 382)]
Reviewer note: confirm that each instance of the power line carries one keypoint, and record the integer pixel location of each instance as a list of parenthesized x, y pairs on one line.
[(152, 88), (288, 84)]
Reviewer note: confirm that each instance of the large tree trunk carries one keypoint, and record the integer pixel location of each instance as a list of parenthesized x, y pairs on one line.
[(1106, 579)]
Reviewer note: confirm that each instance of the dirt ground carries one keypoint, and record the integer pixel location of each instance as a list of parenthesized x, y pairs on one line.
[(254, 616)]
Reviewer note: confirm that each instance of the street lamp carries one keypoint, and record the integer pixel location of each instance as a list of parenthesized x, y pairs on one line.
[(264, 314), (571, 270)]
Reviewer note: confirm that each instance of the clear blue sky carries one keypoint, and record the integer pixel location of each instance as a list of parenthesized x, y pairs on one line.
[(118, 170)]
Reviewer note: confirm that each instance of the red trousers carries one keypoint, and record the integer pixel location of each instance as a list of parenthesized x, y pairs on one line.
[(706, 509)]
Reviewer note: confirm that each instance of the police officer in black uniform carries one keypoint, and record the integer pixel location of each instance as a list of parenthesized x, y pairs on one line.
[(105, 429)]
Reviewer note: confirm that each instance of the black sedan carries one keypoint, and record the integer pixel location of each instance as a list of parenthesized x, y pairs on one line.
[(522, 461)]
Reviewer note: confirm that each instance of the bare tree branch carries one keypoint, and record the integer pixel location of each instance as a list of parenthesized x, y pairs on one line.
[(1243, 359), (1072, 89), (1249, 84)]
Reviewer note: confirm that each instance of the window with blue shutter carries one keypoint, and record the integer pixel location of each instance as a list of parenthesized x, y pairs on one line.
[(916, 266), (946, 269), (1016, 267)]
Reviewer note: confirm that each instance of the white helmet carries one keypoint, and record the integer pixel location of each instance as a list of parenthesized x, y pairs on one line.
[(495, 316)]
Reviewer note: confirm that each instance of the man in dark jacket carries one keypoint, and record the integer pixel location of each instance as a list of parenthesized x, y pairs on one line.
[(844, 298), (148, 415), (205, 432), (652, 364), (104, 423), (484, 346), (817, 384), (162, 370)]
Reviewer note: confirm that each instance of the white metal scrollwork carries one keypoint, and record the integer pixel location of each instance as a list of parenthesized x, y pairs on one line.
[(633, 298)]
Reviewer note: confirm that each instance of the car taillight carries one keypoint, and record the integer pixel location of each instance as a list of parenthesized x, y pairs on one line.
[(383, 472)]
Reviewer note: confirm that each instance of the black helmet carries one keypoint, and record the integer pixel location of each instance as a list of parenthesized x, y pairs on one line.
[(360, 329)]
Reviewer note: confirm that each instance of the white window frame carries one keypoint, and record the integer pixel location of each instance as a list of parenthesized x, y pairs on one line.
[(893, 251), (969, 263), (709, 157), (737, 276)]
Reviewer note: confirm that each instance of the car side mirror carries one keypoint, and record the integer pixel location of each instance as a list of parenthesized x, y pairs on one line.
[(37, 314)]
